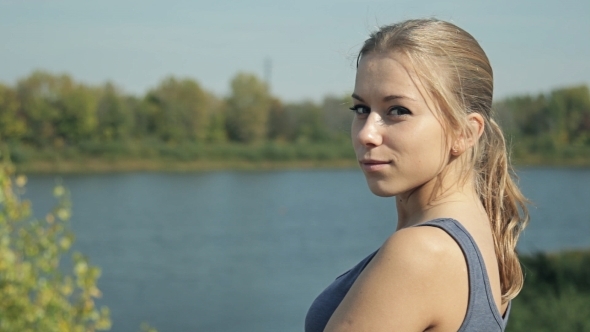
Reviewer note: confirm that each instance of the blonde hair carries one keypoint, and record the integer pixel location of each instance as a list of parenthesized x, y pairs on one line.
[(457, 74)]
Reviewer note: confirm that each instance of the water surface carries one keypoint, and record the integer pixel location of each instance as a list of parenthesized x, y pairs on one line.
[(249, 251)]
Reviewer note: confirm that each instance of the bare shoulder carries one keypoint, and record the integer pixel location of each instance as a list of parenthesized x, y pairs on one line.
[(428, 255), (417, 281), (428, 243)]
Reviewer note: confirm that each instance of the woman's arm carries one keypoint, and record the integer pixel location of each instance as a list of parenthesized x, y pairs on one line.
[(418, 281)]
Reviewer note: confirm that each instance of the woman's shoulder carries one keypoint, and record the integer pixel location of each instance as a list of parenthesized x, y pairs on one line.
[(429, 253), (430, 256), (417, 280), (427, 243)]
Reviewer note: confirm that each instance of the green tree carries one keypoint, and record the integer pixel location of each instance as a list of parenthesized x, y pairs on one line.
[(12, 123), (554, 125), (57, 109), (142, 114), (248, 108), (115, 117), (309, 122), (179, 110), (38, 95), (36, 294), (571, 109), (280, 122), (78, 113), (338, 117), (216, 130), (523, 115)]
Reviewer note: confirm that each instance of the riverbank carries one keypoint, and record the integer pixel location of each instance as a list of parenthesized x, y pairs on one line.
[(148, 165), (539, 161), (156, 156), (142, 156), (98, 165), (96, 157)]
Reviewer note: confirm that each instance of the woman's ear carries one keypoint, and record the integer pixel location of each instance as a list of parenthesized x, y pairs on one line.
[(476, 125), (475, 128)]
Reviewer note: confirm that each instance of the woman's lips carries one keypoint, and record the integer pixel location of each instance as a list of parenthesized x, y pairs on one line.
[(371, 165)]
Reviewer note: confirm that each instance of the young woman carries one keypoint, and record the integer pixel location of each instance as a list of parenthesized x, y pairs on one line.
[(423, 132)]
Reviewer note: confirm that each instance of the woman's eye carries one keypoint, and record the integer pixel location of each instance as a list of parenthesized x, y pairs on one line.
[(398, 110), (360, 109)]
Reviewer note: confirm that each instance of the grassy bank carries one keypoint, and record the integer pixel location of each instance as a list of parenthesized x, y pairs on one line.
[(556, 294), (157, 156), (109, 165), (527, 153), (133, 165)]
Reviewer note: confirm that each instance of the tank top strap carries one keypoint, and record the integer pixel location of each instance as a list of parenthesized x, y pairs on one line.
[(481, 308)]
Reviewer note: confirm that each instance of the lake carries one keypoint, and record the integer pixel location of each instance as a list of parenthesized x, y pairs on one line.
[(249, 251)]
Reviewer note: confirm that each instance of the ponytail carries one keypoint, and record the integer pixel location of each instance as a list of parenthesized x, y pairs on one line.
[(505, 206)]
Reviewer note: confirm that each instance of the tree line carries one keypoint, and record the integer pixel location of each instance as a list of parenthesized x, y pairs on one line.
[(46, 115), (550, 126), (54, 110)]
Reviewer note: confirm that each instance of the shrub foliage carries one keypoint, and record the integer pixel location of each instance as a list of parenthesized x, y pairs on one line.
[(556, 293), (37, 293)]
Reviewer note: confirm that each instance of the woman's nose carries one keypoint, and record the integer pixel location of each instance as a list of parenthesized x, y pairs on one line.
[(370, 132)]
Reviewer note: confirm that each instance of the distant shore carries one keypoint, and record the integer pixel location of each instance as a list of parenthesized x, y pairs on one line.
[(106, 166), (96, 165), (540, 161)]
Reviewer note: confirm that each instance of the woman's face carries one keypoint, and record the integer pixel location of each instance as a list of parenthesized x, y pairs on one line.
[(399, 141)]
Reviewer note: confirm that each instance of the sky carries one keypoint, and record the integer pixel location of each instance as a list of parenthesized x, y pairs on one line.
[(534, 45)]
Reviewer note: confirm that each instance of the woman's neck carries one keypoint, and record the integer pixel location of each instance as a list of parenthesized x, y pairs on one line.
[(437, 199)]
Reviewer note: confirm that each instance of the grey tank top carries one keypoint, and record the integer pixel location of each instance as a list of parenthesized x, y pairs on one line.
[(482, 313)]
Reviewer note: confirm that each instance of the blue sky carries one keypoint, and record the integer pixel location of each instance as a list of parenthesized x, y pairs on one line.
[(534, 46)]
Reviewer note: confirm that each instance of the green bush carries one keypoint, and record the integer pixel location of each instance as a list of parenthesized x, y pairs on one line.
[(556, 293), (36, 292)]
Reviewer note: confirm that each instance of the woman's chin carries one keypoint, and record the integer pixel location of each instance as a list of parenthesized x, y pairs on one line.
[(380, 190)]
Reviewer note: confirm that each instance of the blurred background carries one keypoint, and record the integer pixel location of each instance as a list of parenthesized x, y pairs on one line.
[(205, 148)]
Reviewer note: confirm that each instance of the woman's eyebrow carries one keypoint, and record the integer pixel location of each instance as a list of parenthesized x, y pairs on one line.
[(357, 97), (385, 99), (393, 97)]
